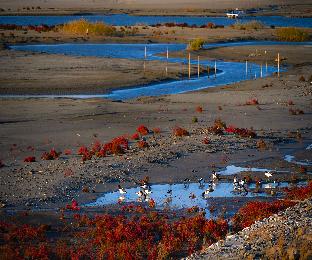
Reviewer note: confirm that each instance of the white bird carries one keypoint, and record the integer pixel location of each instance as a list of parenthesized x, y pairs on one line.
[(147, 192), (121, 190), (268, 174), (121, 198), (235, 181), (214, 176)]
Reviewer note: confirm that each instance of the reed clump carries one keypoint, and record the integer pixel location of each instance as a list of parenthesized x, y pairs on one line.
[(82, 26), (292, 34), (252, 25)]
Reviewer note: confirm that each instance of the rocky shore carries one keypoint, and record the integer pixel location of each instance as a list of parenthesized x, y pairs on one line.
[(286, 235)]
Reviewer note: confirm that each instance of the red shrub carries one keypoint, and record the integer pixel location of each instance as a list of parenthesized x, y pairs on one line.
[(30, 159), (179, 132), (52, 155), (96, 147), (242, 132), (143, 130), (193, 209), (101, 153), (135, 136), (83, 150), (117, 146), (142, 144), (290, 102), (151, 203), (86, 154), (199, 109), (67, 152), (1, 164), (210, 25), (156, 130), (253, 101), (73, 205), (256, 210), (206, 140), (299, 193)]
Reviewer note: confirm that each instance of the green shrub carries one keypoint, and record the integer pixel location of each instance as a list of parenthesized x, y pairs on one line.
[(292, 34), (252, 25), (196, 44)]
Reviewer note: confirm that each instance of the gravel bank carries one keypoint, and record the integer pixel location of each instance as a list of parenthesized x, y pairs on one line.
[(286, 235)]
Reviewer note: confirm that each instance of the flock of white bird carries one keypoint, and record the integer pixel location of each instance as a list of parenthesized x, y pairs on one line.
[(239, 186)]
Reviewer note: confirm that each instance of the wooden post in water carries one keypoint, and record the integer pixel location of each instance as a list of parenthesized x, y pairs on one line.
[(215, 68), (189, 65), (145, 54), (167, 62), (208, 71), (198, 66), (278, 65)]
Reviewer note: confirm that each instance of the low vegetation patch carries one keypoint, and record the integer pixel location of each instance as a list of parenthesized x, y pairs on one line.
[(252, 25), (196, 44), (83, 27), (292, 34)]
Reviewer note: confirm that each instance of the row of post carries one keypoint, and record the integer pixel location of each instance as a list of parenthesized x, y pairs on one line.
[(215, 65)]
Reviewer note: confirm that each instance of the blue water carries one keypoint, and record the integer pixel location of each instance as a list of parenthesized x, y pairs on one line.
[(124, 19), (228, 72), (190, 195)]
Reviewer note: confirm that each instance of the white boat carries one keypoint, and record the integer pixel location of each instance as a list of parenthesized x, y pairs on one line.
[(235, 14)]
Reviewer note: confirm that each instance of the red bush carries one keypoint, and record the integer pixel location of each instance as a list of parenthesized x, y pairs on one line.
[(299, 193), (143, 130), (156, 130), (135, 136), (96, 147), (52, 155), (256, 210), (199, 109), (73, 205), (117, 146), (1, 164), (253, 101), (242, 132), (101, 153), (206, 140), (30, 159), (180, 132), (142, 144), (67, 152), (86, 154), (83, 150)]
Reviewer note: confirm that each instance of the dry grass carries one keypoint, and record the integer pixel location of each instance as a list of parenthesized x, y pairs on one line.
[(252, 25), (292, 34), (299, 248), (196, 44), (83, 27)]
